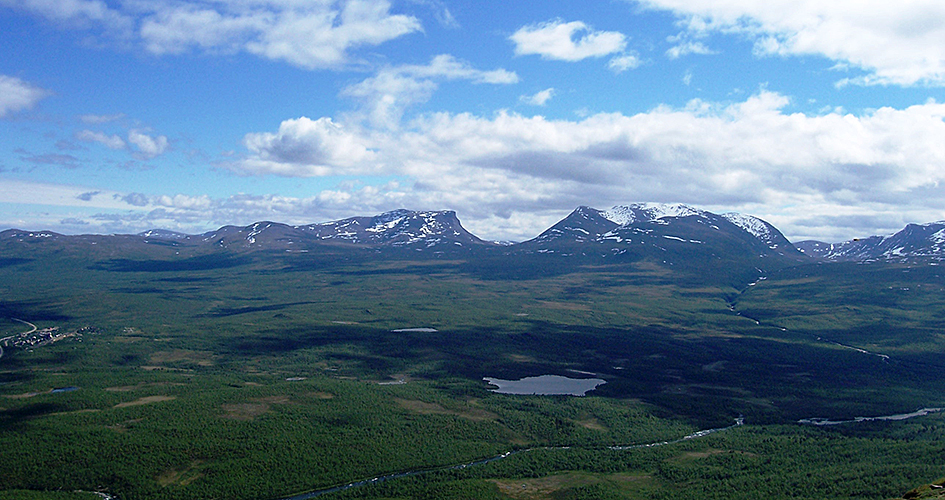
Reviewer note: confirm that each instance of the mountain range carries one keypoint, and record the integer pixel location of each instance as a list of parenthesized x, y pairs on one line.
[(671, 233)]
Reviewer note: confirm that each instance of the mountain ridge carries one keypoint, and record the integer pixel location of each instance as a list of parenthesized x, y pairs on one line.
[(913, 242), (637, 228)]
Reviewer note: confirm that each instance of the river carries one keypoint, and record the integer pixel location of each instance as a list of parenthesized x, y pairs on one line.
[(695, 435), (312, 494)]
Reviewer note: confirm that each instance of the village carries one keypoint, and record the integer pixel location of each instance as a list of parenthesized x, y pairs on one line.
[(40, 336)]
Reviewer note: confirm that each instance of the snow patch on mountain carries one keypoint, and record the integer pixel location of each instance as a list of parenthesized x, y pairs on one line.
[(648, 212), (754, 226), (915, 241)]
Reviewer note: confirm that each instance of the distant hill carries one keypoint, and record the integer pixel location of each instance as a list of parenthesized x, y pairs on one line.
[(914, 242), (675, 236), (730, 248)]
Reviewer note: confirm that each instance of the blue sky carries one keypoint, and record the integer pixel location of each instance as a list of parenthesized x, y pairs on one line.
[(119, 116)]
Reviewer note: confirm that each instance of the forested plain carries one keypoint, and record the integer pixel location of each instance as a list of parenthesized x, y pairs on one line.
[(254, 375)]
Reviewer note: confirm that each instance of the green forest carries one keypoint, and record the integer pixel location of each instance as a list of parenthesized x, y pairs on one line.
[(263, 377)]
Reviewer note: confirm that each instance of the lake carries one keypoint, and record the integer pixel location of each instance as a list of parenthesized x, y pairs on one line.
[(546, 385)]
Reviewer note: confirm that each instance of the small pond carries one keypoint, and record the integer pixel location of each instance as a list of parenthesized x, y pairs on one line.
[(546, 385)]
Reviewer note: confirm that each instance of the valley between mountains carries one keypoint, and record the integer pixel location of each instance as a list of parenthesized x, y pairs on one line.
[(267, 361)]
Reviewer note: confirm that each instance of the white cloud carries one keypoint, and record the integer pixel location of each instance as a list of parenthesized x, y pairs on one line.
[(556, 40), (686, 48), (309, 34), (17, 95), (76, 13), (750, 155), (539, 98), (895, 43), (148, 146), (305, 147), (386, 95), (624, 62), (109, 141), (832, 176)]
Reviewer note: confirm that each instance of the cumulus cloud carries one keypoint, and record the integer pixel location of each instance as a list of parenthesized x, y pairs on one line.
[(316, 34), (305, 147), (539, 98), (566, 41), (385, 96), (109, 141), (686, 48), (624, 62), (148, 146), (750, 155), (76, 13), (895, 44), (17, 95)]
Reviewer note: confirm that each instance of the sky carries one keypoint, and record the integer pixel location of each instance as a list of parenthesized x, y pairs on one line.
[(826, 119)]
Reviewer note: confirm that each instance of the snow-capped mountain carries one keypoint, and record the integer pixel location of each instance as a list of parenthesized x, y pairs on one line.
[(661, 227), (399, 228), (760, 229), (648, 212), (914, 242), (436, 230), (163, 234)]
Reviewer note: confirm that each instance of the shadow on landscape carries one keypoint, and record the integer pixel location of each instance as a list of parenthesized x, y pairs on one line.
[(13, 370), (12, 261), (224, 312), (32, 311), (17, 415), (711, 380), (186, 279), (142, 290), (412, 270), (200, 263)]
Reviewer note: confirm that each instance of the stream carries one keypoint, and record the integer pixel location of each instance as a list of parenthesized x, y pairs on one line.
[(305, 496), (738, 422)]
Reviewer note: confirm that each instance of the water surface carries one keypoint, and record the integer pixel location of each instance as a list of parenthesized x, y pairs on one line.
[(546, 385)]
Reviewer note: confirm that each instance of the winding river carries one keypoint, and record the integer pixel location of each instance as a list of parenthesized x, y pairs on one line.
[(901, 416), (305, 496), (738, 422)]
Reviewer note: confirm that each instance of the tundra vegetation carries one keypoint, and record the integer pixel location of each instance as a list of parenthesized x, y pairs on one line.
[(263, 375)]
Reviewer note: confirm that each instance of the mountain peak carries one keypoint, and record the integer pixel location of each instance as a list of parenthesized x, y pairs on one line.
[(647, 212), (915, 241), (398, 228)]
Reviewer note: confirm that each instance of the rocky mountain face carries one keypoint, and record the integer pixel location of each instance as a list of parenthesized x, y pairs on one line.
[(914, 242)]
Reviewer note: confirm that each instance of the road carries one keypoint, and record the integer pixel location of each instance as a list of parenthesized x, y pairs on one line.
[(4, 339)]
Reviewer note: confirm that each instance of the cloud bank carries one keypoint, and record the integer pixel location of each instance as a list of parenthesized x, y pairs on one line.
[(894, 43), (751, 155), (311, 34)]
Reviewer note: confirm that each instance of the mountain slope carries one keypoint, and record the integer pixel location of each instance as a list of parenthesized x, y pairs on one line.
[(669, 228), (436, 231), (733, 249), (914, 242), (399, 228)]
